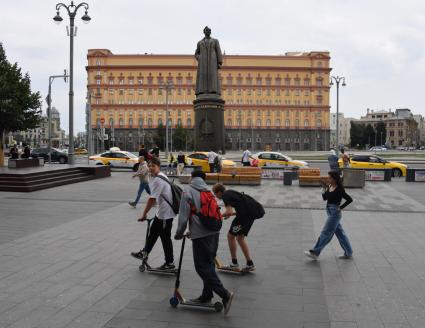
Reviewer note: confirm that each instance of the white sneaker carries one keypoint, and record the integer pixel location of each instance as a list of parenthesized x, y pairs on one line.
[(311, 255)]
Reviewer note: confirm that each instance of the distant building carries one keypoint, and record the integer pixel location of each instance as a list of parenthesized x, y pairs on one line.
[(272, 102), (421, 129), (344, 130), (39, 136), (401, 126)]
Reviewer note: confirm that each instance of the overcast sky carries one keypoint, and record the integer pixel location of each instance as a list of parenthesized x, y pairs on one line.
[(378, 45)]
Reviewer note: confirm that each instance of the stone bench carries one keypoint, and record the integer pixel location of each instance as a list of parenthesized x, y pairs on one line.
[(25, 162)]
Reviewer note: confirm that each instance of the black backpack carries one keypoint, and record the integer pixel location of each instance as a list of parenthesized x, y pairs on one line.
[(176, 191), (254, 208)]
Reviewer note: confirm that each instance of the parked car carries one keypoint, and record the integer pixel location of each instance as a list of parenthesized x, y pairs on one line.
[(116, 158), (375, 162), (270, 158), (56, 155), (378, 148), (201, 158)]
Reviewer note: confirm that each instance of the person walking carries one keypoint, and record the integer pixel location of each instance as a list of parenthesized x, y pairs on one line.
[(218, 162), (345, 158), (161, 225), (333, 161), (181, 161), (143, 152), (143, 174), (211, 158), (155, 151), (241, 224), (245, 158), (333, 193), (204, 240)]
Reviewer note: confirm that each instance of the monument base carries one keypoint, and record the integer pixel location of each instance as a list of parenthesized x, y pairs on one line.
[(209, 123)]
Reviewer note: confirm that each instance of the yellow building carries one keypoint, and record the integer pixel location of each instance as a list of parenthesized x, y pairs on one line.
[(275, 102)]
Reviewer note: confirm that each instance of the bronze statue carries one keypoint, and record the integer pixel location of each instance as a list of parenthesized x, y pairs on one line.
[(209, 57)]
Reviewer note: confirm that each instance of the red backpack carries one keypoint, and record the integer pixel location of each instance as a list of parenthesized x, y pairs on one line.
[(209, 213)]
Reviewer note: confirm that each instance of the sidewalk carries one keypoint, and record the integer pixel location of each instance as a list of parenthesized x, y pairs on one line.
[(77, 272)]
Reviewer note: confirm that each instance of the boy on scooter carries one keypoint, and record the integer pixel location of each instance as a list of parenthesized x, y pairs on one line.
[(240, 226), (161, 195), (204, 241)]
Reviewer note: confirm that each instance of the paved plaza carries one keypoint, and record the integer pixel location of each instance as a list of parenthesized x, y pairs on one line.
[(64, 261)]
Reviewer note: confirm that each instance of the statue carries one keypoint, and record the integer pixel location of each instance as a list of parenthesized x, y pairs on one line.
[(209, 57)]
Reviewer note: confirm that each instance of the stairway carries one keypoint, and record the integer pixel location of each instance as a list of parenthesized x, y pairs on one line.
[(45, 179)]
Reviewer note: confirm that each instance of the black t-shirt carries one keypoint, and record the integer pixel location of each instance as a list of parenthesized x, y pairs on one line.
[(335, 197), (236, 200)]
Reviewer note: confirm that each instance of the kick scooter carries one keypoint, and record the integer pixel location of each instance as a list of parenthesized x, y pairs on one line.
[(227, 269), (179, 299), (145, 265)]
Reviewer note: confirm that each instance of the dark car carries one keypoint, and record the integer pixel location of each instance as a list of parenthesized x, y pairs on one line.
[(56, 155)]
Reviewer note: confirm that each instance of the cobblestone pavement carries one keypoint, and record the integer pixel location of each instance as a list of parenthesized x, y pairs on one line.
[(65, 262)]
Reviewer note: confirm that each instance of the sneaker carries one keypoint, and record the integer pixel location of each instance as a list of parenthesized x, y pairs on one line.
[(233, 266), (311, 255), (132, 204), (227, 302), (167, 266), (249, 268), (345, 257), (140, 255), (201, 300)]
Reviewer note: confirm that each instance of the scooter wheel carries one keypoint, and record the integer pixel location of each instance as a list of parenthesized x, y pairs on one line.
[(218, 306), (142, 268), (174, 301)]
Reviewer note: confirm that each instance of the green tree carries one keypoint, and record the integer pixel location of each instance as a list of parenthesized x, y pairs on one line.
[(20, 108), (369, 136), (160, 136), (381, 133), (179, 138), (357, 134)]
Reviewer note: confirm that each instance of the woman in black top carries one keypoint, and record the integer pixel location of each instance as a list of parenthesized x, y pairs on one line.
[(333, 194)]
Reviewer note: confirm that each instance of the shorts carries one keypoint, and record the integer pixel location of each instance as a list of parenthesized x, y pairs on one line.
[(240, 227)]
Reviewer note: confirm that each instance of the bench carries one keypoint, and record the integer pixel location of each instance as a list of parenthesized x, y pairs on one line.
[(311, 177)]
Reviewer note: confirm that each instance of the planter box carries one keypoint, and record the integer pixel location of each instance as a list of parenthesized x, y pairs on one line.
[(415, 175), (24, 162), (353, 178)]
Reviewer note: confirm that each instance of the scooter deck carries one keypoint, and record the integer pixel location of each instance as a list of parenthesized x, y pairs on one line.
[(232, 270), (174, 271), (217, 306)]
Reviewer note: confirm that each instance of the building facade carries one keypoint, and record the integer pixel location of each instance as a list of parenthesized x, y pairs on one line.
[(401, 127), (39, 137), (272, 102), (343, 131)]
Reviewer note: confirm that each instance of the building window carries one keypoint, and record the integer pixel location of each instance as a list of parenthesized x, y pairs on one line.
[(306, 123), (319, 123), (149, 122), (249, 122), (121, 122), (160, 122), (189, 122), (229, 122), (130, 122), (297, 123), (258, 122), (277, 123), (111, 122), (287, 123), (141, 122)]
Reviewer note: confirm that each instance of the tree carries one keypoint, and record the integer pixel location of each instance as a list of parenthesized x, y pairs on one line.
[(357, 134), (369, 135), (160, 136), (20, 108), (381, 133), (179, 137)]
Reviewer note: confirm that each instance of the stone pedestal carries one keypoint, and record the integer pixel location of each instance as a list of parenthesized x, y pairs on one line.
[(209, 123)]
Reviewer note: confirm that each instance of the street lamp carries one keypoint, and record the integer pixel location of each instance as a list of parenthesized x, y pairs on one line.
[(49, 111), (337, 80), (72, 12), (168, 86)]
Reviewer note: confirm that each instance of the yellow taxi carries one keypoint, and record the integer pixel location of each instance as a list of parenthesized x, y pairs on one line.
[(201, 159), (375, 162), (116, 158), (80, 151), (271, 158)]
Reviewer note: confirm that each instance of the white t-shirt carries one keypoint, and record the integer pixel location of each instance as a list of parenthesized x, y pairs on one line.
[(159, 190), (245, 156), (211, 157)]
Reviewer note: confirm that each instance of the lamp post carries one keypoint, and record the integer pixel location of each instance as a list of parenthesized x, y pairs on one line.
[(168, 86), (337, 80), (49, 111), (72, 12)]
